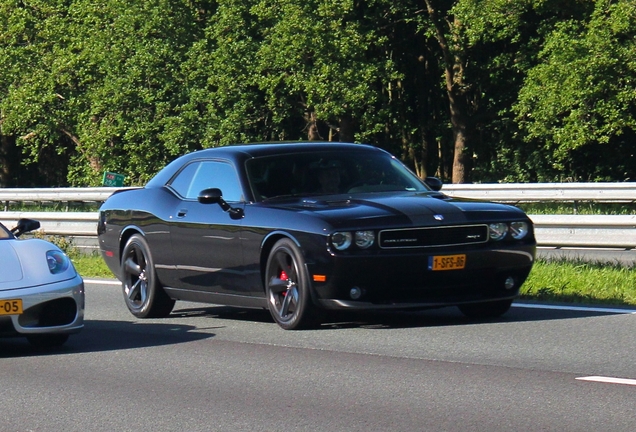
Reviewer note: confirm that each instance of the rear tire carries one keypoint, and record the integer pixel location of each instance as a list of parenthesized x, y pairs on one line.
[(144, 296), (485, 310), (287, 287)]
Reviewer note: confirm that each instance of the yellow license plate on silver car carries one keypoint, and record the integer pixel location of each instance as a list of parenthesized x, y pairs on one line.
[(447, 262), (11, 307)]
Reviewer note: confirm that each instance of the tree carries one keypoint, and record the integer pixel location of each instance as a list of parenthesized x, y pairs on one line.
[(99, 83), (581, 94)]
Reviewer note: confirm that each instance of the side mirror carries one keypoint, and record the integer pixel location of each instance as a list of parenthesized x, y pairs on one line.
[(25, 225), (215, 196), (434, 183), (210, 196)]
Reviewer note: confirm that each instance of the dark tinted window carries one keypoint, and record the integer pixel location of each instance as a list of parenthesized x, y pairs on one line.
[(329, 173)]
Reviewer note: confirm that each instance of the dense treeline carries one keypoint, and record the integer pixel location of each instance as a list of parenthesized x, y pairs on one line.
[(468, 90)]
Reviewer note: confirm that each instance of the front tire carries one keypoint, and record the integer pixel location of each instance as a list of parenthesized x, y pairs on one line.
[(287, 287), (485, 310), (144, 296)]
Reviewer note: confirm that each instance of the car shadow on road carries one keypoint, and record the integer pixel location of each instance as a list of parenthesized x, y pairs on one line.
[(446, 316), (100, 336)]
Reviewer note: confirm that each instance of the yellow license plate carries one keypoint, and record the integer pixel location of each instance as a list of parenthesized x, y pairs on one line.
[(447, 262), (11, 307)]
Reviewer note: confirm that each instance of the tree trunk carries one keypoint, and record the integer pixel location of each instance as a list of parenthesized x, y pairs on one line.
[(346, 129), (9, 160), (419, 156), (312, 128), (455, 90), (462, 158), (5, 165)]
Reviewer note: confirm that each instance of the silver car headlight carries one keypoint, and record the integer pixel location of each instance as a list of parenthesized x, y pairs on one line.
[(341, 240), (364, 239), (519, 229), (58, 262), (498, 230)]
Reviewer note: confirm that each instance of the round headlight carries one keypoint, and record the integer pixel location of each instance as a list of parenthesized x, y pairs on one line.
[(364, 239), (498, 230), (58, 262), (518, 230), (341, 240)]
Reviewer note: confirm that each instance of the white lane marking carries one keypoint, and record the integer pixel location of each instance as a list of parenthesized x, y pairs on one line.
[(609, 380), (102, 281), (575, 308)]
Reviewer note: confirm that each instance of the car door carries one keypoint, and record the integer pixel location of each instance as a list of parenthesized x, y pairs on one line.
[(206, 240)]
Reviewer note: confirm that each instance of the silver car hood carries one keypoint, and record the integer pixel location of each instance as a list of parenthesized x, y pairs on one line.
[(23, 264), (10, 267)]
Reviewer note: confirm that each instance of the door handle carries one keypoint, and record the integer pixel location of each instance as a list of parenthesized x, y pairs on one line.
[(182, 213)]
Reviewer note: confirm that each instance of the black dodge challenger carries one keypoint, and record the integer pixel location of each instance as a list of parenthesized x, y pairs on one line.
[(300, 228)]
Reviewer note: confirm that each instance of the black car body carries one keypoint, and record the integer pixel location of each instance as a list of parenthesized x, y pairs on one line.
[(250, 226)]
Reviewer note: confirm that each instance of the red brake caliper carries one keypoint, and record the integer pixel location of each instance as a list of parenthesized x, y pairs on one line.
[(284, 277)]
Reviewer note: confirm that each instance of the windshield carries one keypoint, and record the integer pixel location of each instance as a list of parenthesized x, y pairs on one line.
[(319, 173)]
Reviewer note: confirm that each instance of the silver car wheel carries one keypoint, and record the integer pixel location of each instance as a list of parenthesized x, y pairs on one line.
[(287, 287), (135, 278), (144, 295)]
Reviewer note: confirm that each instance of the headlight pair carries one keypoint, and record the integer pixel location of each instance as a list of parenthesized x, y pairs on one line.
[(517, 230), (343, 240)]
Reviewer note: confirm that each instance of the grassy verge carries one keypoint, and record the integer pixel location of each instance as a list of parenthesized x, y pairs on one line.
[(581, 282), (91, 266), (551, 281)]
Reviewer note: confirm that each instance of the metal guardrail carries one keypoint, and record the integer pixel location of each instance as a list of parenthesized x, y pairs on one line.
[(598, 231), (503, 192), (534, 192), (615, 231), (10, 196)]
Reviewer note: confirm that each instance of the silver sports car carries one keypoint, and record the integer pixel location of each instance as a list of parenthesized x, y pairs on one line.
[(41, 294)]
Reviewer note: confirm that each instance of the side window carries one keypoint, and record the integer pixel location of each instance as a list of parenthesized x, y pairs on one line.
[(181, 183), (208, 174)]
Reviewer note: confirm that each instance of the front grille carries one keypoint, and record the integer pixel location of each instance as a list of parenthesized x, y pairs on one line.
[(432, 237)]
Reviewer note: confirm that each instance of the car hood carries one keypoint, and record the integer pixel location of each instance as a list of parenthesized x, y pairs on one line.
[(403, 209), (10, 263), (23, 264)]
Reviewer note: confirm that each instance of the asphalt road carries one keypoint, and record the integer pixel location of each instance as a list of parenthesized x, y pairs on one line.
[(209, 368)]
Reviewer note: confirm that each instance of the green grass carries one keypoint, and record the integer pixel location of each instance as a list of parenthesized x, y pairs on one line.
[(91, 266), (54, 206), (581, 282), (582, 208), (550, 281)]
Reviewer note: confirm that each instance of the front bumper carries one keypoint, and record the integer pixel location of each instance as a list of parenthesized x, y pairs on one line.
[(403, 280), (56, 308)]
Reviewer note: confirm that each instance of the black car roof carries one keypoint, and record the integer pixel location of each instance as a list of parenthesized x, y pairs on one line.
[(269, 148), (241, 152)]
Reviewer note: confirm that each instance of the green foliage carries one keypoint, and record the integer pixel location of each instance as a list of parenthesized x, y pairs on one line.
[(582, 92), (65, 243), (542, 87), (99, 81)]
